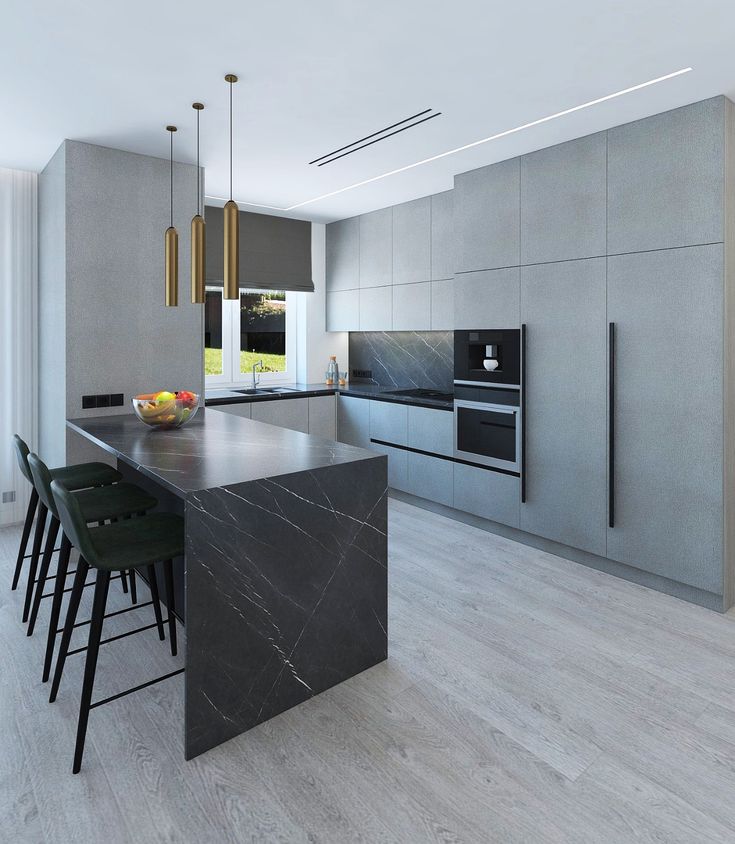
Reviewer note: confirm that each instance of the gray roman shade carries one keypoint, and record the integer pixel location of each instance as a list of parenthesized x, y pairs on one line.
[(275, 252)]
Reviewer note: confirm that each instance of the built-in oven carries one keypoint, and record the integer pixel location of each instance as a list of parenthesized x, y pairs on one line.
[(487, 426)]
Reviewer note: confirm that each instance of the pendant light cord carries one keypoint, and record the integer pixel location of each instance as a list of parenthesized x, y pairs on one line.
[(199, 207), (230, 141), (172, 178)]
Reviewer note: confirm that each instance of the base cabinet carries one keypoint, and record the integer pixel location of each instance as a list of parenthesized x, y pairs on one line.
[(285, 413), (488, 494), (353, 421), (397, 465), (430, 478), (323, 416)]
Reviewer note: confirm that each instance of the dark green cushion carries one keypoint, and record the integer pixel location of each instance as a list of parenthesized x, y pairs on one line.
[(109, 502), (83, 475), (136, 542)]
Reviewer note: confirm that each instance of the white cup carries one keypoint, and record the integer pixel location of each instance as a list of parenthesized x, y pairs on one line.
[(490, 364)]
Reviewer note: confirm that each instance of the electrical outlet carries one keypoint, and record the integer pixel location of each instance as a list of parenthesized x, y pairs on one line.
[(9, 497), (362, 373), (89, 402), (117, 399), (103, 401)]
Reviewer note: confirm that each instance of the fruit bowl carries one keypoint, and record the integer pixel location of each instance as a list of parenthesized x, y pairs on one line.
[(165, 410)]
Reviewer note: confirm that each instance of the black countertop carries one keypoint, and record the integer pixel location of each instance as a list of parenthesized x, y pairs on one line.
[(367, 391), (214, 450)]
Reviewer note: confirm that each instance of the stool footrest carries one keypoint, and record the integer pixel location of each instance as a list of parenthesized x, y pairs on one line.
[(135, 688), (91, 583), (115, 638), (108, 615)]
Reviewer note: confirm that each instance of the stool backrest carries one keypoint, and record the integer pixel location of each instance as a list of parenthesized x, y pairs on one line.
[(21, 453), (41, 479), (72, 521)]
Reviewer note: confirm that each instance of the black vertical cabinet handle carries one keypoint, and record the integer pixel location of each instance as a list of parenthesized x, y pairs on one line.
[(523, 413), (611, 425)]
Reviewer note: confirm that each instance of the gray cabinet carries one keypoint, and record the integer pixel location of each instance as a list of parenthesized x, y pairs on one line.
[(238, 409), (442, 305), (412, 306), (376, 309), (285, 413), (443, 249), (353, 421), (343, 254), (668, 478), (376, 248), (665, 179), (563, 201), (430, 478), (487, 216), (488, 299), (323, 416), (412, 241), (397, 465), (389, 422), (488, 494), (343, 310), (566, 390), (431, 430)]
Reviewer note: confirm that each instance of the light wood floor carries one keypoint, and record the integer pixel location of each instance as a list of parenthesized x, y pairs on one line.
[(526, 699)]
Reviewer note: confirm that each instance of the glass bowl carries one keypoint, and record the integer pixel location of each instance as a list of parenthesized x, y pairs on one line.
[(165, 410)]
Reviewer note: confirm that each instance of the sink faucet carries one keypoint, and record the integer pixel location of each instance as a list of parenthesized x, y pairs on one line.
[(256, 379)]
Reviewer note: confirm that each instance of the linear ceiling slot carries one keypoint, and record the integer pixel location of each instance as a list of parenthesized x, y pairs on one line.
[(380, 135)]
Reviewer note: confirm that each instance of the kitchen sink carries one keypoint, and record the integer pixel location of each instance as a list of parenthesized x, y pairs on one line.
[(266, 391)]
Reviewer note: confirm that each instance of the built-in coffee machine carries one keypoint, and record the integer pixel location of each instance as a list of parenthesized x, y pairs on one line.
[(487, 398)]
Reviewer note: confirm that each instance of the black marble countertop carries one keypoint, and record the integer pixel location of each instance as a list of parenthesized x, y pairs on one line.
[(377, 392), (214, 450)]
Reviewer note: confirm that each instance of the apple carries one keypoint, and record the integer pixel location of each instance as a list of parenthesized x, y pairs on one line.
[(164, 396)]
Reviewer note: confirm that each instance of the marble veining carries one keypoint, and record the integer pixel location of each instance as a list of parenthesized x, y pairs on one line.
[(405, 358), (287, 586)]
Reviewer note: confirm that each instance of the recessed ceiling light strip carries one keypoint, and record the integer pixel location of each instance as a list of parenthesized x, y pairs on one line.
[(496, 137), (381, 138), (373, 135)]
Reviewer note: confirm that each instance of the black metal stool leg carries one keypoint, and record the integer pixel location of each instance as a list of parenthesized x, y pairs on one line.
[(71, 617), (53, 625), (48, 552), (37, 541), (133, 587), (168, 576), (156, 600), (124, 581), (90, 665), (27, 525)]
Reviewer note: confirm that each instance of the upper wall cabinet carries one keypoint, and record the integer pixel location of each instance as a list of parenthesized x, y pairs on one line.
[(489, 299), (665, 179), (563, 201), (376, 248), (412, 241), (487, 216), (343, 254), (343, 310), (443, 251)]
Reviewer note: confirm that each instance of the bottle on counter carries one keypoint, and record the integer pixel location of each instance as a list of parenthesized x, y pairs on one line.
[(332, 373)]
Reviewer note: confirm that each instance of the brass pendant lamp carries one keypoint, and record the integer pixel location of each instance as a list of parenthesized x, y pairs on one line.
[(171, 240), (231, 226), (197, 234)]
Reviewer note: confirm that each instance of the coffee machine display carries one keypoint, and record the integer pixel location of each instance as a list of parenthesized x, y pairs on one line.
[(488, 357)]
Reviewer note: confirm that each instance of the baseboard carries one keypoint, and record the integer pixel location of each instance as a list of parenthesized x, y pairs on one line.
[(709, 600)]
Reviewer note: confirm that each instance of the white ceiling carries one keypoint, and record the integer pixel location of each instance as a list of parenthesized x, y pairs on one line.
[(317, 75)]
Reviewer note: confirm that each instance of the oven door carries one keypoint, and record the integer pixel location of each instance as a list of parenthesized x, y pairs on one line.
[(488, 434)]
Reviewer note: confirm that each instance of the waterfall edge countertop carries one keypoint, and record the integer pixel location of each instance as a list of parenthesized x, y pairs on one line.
[(214, 450), (285, 572)]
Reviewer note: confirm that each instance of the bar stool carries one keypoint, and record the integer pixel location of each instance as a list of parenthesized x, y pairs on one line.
[(97, 505), (111, 548), (78, 476)]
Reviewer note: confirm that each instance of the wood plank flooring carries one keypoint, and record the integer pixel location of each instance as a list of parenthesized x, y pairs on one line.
[(526, 699)]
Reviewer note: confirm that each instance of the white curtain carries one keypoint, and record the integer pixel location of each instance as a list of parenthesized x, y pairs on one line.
[(18, 355)]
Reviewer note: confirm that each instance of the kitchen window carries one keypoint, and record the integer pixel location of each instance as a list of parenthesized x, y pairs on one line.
[(259, 326)]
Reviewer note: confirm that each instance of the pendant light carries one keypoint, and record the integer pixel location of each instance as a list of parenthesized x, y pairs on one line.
[(172, 240), (231, 226), (197, 233)]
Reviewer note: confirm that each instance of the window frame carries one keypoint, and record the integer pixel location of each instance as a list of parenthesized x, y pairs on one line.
[(231, 377)]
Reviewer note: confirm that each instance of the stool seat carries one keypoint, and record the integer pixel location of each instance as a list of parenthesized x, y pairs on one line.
[(83, 475), (125, 545), (110, 502)]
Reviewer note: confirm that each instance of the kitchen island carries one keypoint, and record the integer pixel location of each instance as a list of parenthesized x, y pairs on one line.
[(285, 569)]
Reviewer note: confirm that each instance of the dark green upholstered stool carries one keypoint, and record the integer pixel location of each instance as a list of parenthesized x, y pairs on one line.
[(112, 548), (78, 476), (96, 505)]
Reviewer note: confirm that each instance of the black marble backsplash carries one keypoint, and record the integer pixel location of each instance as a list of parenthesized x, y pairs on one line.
[(404, 358)]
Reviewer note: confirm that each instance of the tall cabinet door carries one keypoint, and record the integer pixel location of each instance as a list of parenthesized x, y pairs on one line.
[(667, 310), (563, 307)]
